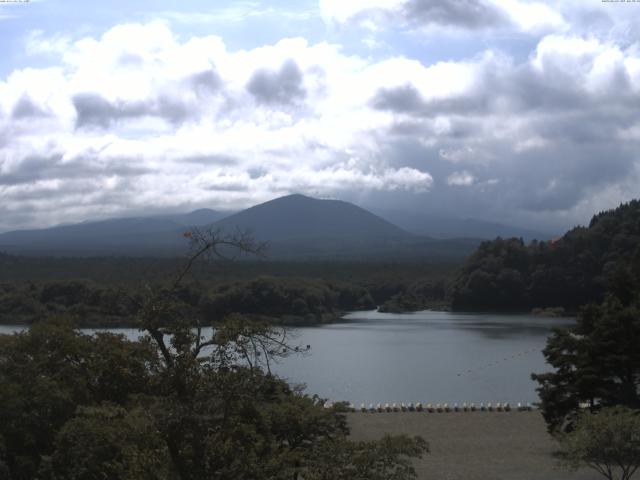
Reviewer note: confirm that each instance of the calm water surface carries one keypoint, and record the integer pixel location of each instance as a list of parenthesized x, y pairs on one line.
[(424, 356)]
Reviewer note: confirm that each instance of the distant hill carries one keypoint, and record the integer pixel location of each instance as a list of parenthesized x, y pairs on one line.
[(578, 268), (300, 227), (120, 236), (450, 227), (296, 227), (203, 216), (300, 218)]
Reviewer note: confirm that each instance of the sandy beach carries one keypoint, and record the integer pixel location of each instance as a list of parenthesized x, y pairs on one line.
[(474, 446)]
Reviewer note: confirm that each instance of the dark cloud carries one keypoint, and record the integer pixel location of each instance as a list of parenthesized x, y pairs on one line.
[(205, 82), (539, 181), (27, 108), (4, 138), (224, 185), (211, 160), (408, 100), (283, 87), (574, 131), (470, 14), (93, 110), (549, 93), (172, 109), (404, 99), (255, 173), (52, 167)]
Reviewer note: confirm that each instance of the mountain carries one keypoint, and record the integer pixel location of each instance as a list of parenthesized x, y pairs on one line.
[(450, 227), (295, 227), (122, 236), (298, 227), (300, 218)]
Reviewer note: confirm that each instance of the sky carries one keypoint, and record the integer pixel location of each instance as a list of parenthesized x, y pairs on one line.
[(513, 111)]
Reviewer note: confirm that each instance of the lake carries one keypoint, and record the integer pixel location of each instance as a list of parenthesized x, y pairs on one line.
[(429, 357)]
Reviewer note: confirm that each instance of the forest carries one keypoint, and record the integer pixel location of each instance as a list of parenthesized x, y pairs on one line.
[(281, 300), (105, 291), (576, 269)]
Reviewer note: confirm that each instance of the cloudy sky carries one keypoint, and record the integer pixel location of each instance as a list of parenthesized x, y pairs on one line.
[(516, 111)]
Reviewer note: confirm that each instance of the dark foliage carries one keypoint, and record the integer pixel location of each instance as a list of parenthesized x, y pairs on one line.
[(292, 300), (176, 404), (105, 292), (47, 372), (287, 300), (596, 362), (607, 441), (419, 295), (89, 304), (574, 270)]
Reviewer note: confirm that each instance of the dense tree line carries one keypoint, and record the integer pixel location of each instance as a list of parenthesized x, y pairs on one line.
[(89, 304), (98, 291), (597, 361), (377, 276), (419, 295), (292, 300), (574, 270)]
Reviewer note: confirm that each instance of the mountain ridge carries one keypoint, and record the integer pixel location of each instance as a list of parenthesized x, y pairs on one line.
[(272, 220), (296, 227)]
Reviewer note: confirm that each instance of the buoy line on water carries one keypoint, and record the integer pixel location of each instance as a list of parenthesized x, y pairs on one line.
[(498, 362)]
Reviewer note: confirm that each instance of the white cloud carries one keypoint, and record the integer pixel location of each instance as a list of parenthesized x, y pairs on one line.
[(239, 12), (532, 17), (141, 117), (461, 179), (147, 120), (36, 43), (341, 11)]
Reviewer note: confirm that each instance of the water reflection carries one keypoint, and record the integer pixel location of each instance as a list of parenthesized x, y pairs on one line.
[(425, 356)]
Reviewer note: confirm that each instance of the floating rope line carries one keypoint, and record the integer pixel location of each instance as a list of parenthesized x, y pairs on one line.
[(498, 362)]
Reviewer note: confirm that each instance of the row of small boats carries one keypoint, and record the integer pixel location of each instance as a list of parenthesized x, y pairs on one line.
[(438, 407)]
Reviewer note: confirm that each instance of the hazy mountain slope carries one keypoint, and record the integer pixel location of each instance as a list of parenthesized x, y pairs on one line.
[(114, 236), (296, 228), (447, 227), (296, 217)]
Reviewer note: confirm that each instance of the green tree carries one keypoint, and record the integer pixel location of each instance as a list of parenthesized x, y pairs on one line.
[(596, 362), (108, 442), (51, 369), (386, 459), (607, 441)]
